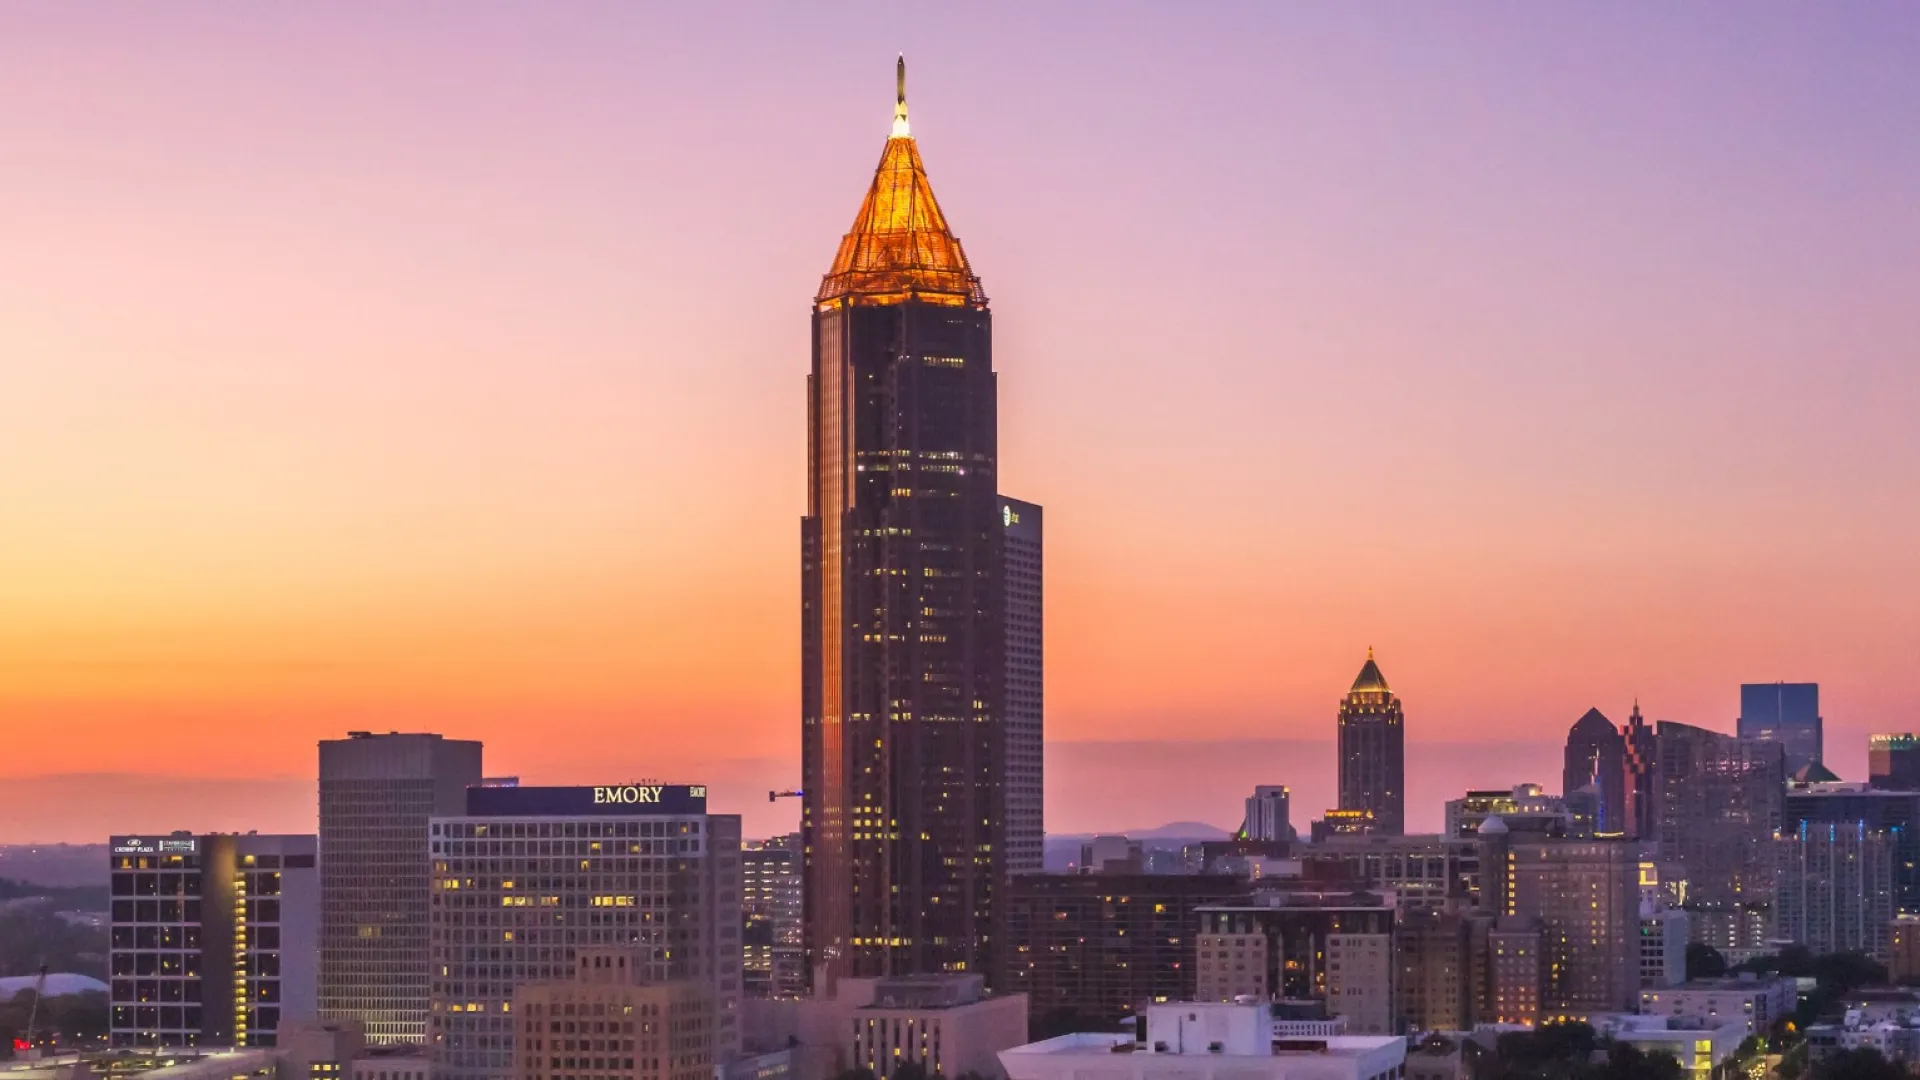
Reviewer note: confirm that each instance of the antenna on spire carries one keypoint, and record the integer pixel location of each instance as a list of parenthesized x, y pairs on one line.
[(900, 130)]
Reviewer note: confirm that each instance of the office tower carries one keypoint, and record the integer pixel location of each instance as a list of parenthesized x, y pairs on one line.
[(1720, 804), (1423, 873), (1596, 758), (213, 939), (1094, 948), (774, 964), (611, 1021), (1020, 581), (1524, 806), (376, 794), (1585, 895), (1360, 982), (1373, 751), (1663, 946), (1642, 757), (1273, 946), (1896, 813), (1893, 762), (1833, 888), (1786, 713), (529, 876), (903, 724), (1440, 961), (1268, 818)]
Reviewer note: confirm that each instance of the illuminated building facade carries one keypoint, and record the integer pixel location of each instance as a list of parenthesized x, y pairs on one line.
[(775, 957), (376, 794), (530, 876), (213, 940), (1276, 945), (1373, 751), (1833, 888), (1025, 643), (904, 742), (1893, 761), (1585, 897)]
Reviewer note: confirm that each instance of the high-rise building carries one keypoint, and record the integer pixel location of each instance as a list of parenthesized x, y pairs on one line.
[(1663, 946), (376, 794), (1275, 946), (1094, 948), (527, 877), (1833, 888), (1360, 982), (1373, 751), (1895, 813), (213, 938), (1586, 896), (1020, 579), (1786, 713), (1642, 757), (774, 964), (1893, 761), (902, 645), (1720, 804), (1268, 817), (612, 1021), (1441, 960), (1596, 758)]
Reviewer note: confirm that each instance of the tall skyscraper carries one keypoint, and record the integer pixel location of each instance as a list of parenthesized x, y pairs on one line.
[(904, 819), (1373, 751), (770, 901), (527, 877), (214, 938), (1642, 756), (1596, 757), (1025, 687), (1786, 713), (377, 793), (1720, 804), (1268, 818), (1893, 761)]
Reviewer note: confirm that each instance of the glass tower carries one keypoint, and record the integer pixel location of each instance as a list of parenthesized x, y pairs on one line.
[(1786, 713), (904, 816)]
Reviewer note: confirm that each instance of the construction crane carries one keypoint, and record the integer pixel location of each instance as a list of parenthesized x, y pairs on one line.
[(24, 1048), (775, 796)]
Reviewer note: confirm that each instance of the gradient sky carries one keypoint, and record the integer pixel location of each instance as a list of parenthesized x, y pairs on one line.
[(443, 366)]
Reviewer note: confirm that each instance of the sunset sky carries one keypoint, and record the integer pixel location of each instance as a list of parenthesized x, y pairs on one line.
[(442, 367)]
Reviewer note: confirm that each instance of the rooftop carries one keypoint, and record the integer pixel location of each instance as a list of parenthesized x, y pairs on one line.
[(1100, 1042)]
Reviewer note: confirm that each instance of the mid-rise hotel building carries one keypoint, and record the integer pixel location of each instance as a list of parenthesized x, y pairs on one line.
[(530, 876), (214, 938)]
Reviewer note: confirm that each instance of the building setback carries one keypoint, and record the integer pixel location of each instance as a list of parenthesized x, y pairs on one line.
[(1094, 948), (529, 877), (213, 940), (1373, 751), (376, 794), (1024, 609), (903, 705)]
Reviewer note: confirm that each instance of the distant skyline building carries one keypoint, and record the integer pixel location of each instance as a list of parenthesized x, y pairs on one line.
[(1585, 895), (1721, 801), (377, 793), (771, 887), (527, 877), (1642, 761), (1833, 888), (903, 705), (1893, 761), (1895, 813), (1786, 713), (1373, 751), (1022, 581), (213, 938), (1596, 757), (1524, 806), (1268, 818)]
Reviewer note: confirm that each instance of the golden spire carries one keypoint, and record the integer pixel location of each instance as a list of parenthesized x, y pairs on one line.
[(900, 247), (900, 129)]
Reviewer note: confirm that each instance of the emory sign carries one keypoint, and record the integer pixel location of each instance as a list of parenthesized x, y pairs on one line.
[(631, 793)]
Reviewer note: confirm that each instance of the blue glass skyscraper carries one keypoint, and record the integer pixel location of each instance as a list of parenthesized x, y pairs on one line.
[(1786, 713)]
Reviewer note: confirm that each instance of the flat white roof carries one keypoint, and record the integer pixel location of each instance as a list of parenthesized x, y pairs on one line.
[(1092, 1043)]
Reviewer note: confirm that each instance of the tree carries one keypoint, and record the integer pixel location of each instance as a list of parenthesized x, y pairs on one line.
[(1626, 1062), (1863, 1063), (1704, 961)]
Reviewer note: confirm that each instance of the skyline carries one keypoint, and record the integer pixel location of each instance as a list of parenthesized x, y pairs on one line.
[(407, 389)]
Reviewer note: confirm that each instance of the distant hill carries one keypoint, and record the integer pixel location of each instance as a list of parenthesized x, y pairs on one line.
[(57, 865)]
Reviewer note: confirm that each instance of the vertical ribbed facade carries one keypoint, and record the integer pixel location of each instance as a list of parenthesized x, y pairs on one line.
[(1025, 686)]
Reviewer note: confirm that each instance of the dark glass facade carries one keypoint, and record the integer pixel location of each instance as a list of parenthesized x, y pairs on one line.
[(1596, 757), (1642, 754), (903, 635), (1786, 713), (1720, 804), (1895, 813), (1373, 752)]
